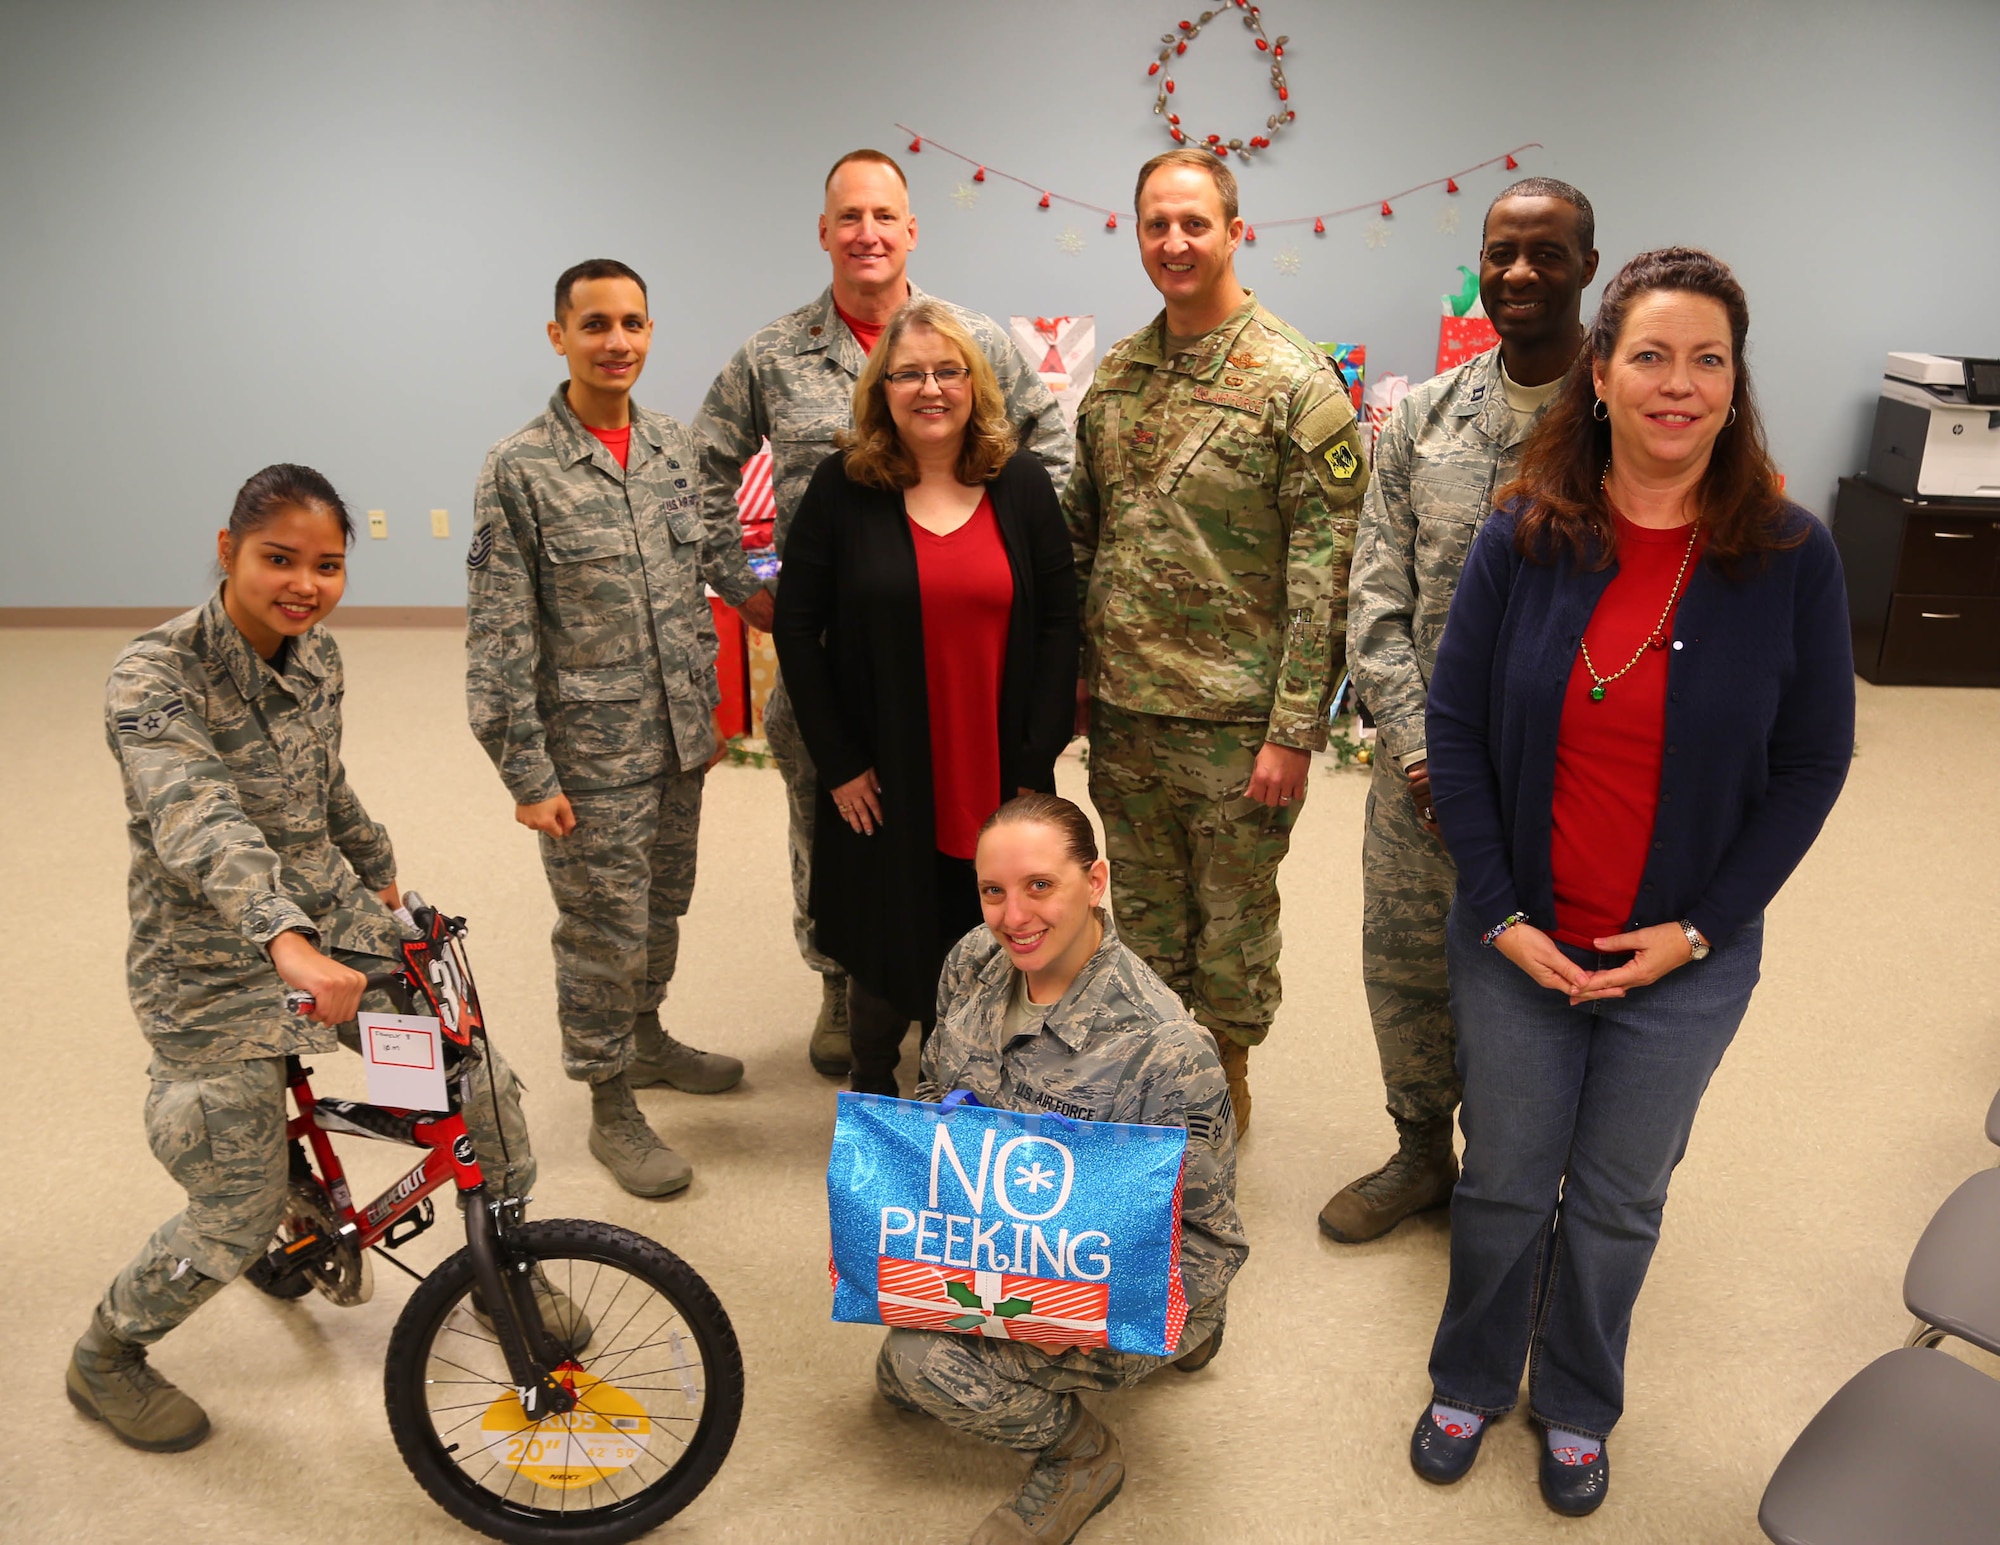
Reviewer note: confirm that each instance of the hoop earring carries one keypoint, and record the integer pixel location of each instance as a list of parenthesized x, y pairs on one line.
[(1732, 416), (1600, 412)]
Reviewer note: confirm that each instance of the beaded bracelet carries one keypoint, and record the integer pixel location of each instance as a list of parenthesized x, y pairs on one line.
[(1501, 927)]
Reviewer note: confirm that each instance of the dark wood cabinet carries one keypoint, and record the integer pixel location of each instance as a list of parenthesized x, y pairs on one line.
[(1923, 586)]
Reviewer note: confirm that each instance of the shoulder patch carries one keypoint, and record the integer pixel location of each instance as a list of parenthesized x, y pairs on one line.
[(481, 549), (153, 722), (1341, 461), (1248, 402), (1323, 421)]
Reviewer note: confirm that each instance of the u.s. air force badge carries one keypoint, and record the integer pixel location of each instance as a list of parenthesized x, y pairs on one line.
[(153, 722), (1341, 461)]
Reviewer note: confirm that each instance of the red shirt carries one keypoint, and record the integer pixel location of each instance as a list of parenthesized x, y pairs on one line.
[(617, 441), (967, 588), (865, 333), (1608, 750)]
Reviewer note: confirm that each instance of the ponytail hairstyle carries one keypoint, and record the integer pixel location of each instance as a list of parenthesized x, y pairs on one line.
[(1738, 505), (1070, 823)]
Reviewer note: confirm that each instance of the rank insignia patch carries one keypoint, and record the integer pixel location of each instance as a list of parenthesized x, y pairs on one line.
[(152, 724), (481, 549), (1143, 437), (1342, 462)]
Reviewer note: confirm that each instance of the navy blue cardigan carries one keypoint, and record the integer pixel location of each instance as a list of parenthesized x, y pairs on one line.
[(1759, 733)]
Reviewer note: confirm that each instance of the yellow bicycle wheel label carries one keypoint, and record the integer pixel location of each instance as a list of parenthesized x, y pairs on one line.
[(605, 1432)]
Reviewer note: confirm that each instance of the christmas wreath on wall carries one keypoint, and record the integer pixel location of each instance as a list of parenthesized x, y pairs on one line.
[(1175, 43)]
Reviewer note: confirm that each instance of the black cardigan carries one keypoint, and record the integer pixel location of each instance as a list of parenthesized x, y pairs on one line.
[(850, 640)]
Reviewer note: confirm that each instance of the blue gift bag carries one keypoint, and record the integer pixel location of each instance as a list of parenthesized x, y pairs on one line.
[(1025, 1226)]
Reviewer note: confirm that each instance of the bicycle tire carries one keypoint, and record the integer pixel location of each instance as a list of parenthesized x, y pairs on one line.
[(576, 1256)]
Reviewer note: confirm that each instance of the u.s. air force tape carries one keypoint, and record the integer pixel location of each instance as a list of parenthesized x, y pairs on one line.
[(152, 722), (481, 549)]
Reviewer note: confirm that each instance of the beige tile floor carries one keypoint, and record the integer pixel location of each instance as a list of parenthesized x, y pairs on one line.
[(1849, 1107)]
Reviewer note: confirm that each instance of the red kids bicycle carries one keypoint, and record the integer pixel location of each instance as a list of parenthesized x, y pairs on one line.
[(559, 1380)]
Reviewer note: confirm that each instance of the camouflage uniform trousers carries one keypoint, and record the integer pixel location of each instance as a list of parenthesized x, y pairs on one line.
[(1009, 1392), (220, 1131), (622, 881), (781, 733), (1194, 860), (1407, 880)]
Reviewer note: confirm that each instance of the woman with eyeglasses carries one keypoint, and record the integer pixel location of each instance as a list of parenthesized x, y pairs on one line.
[(927, 630)]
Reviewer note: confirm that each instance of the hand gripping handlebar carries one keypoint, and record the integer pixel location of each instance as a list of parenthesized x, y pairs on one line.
[(299, 1001)]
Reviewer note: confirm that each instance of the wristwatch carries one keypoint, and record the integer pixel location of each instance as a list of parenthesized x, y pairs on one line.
[(1696, 942)]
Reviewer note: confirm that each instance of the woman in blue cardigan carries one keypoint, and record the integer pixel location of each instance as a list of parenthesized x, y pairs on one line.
[(1642, 712)]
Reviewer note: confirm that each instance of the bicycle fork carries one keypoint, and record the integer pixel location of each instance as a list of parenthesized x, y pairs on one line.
[(506, 1283)]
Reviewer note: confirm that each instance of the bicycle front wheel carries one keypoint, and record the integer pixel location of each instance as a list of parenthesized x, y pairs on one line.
[(655, 1367)]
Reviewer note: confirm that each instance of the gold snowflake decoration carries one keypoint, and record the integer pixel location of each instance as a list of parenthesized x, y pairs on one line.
[(1447, 220), (1071, 241), (1377, 234), (965, 195), (1288, 261)]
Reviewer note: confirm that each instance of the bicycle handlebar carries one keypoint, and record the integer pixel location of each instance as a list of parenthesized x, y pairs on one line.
[(299, 1001)]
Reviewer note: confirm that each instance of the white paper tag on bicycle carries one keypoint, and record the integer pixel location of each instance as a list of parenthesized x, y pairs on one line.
[(404, 1054)]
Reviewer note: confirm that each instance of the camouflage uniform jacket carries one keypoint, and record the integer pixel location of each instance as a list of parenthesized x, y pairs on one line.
[(241, 825), (1119, 1046), (1212, 510), (1444, 451), (794, 381), (590, 648)]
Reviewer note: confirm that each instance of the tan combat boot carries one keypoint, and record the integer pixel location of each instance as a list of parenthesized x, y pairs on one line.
[(621, 1141), (1418, 1178), (660, 1059), (111, 1382), (830, 1050), (1073, 1479), (561, 1316), (1235, 1058)]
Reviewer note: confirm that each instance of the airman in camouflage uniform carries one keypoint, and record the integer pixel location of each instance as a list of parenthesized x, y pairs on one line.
[(1446, 450), (1212, 511), (1118, 1046), (242, 827), (590, 672), (793, 382)]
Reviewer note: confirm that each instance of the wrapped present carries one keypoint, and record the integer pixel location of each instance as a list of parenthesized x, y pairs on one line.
[(761, 664), (1020, 1226), (756, 505), (1459, 338), (1352, 358), (732, 675), (1378, 402), (1063, 352)]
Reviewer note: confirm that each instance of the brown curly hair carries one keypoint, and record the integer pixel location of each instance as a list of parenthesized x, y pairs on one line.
[(1740, 505), (876, 456)]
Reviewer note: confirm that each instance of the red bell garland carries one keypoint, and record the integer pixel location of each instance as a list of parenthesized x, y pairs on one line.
[(1176, 44)]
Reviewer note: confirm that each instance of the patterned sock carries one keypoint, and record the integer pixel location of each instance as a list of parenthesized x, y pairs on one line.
[(1456, 1423), (1573, 1448)]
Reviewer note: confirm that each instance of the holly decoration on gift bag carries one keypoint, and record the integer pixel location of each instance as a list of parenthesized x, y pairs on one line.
[(1175, 43), (965, 1298)]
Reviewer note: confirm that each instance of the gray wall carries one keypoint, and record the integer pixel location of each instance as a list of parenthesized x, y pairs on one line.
[(236, 233)]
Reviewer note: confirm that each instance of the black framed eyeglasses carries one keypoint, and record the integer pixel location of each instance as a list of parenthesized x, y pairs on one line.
[(947, 378)]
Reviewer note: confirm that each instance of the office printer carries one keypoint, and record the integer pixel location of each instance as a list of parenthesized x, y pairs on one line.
[(1937, 428)]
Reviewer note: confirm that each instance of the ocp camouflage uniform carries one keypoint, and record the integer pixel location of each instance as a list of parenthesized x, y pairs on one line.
[(590, 672), (242, 826), (1118, 1046), (1446, 449), (793, 381), (1212, 511)]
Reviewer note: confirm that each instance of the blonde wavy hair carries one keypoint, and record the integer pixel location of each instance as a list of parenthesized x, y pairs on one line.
[(876, 455)]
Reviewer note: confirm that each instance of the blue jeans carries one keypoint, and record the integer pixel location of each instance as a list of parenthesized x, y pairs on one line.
[(1574, 1119)]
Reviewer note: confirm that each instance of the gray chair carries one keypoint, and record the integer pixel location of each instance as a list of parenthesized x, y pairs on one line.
[(1993, 1121), (1953, 1284), (1907, 1452)]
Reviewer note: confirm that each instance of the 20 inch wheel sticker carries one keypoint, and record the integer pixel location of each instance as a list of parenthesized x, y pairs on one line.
[(604, 1433)]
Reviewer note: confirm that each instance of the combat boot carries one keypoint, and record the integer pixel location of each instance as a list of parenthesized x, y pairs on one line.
[(1419, 1177), (1235, 1058), (621, 1141), (658, 1058), (561, 1316), (830, 1050), (111, 1382), (1073, 1479)]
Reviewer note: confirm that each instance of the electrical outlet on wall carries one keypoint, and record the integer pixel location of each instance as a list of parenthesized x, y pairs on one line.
[(378, 524), (440, 523)]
